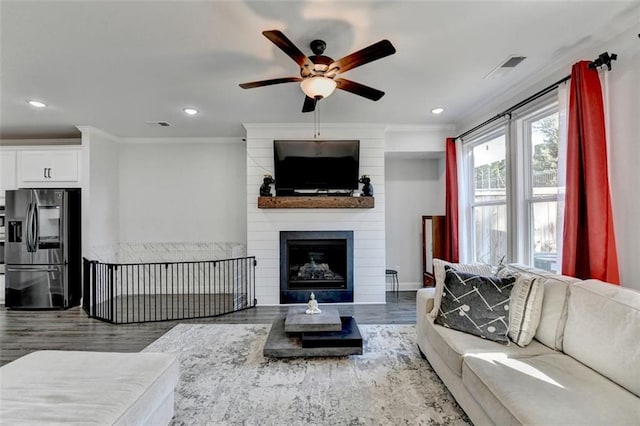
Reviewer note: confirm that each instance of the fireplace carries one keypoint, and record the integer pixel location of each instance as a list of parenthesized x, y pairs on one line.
[(316, 261)]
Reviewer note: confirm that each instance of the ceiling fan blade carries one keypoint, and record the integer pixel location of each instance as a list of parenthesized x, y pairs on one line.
[(287, 46), (368, 54), (309, 104), (261, 83), (358, 89)]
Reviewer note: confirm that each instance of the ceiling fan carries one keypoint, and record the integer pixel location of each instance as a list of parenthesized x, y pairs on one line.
[(318, 72)]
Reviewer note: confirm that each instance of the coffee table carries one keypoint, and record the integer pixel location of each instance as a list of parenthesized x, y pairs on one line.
[(325, 334)]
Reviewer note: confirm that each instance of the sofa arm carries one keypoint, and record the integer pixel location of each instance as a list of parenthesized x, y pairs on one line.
[(424, 301)]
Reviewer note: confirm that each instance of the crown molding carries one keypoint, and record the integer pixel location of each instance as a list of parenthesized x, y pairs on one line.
[(52, 142), (420, 127), (183, 140), (369, 126)]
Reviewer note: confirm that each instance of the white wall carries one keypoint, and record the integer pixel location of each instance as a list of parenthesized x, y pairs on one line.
[(414, 187), (101, 189), (427, 139), (264, 225), (183, 191), (624, 160)]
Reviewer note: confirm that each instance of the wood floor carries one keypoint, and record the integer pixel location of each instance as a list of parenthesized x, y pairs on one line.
[(22, 332)]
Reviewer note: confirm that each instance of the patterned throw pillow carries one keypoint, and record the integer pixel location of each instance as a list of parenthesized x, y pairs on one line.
[(439, 272), (476, 304)]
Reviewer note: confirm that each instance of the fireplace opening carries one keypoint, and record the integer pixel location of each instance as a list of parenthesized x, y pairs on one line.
[(317, 264), (316, 261)]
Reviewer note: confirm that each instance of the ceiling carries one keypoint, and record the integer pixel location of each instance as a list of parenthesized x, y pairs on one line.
[(117, 65)]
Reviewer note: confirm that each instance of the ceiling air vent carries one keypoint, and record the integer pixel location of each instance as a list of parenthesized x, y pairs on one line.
[(158, 123), (505, 66)]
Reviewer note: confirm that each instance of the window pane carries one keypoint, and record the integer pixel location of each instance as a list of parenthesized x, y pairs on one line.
[(545, 215), (544, 155), (489, 167), (490, 229)]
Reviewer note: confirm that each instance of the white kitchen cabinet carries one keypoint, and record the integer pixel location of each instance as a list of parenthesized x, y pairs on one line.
[(46, 168), (7, 173)]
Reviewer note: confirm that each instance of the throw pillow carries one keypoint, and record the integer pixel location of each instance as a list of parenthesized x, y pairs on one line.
[(507, 272), (476, 304), (525, 308), (439, 272)]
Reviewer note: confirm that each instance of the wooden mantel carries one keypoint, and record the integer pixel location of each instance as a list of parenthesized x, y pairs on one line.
[(316, 202)]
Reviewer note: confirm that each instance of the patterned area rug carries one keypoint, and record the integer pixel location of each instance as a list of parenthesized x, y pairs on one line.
[(226, 380)]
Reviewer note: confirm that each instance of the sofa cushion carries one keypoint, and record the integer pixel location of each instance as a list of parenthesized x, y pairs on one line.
[(550, 389), (603, 331), (525, 308), (554, 313), (554, 303), (55, 387), (439, 273), (453, 346)]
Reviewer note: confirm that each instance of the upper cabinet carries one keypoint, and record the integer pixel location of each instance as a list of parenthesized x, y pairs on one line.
[(7, 173), (47, 168)]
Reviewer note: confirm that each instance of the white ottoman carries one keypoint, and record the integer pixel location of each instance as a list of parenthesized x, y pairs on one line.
[(53, 387)]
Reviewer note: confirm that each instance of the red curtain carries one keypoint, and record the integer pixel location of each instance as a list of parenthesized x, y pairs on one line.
[(589, 246), (451, 203)]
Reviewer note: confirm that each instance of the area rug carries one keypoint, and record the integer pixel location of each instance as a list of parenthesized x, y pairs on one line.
[(225, 380)]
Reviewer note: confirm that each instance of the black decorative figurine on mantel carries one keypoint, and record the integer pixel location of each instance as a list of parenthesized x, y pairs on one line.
[(367, 188), (265, 188)]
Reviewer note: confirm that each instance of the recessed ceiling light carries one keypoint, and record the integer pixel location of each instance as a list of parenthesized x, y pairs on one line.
[(437, 111), (190, 111), (37, 104)]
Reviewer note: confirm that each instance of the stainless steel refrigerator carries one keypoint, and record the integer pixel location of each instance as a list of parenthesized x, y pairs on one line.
[(43, 249)]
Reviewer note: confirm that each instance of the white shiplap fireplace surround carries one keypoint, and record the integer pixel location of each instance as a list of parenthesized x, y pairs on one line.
[(368, 225)]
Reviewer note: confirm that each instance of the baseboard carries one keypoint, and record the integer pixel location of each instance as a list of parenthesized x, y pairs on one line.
[(406, 286), (322, 304)]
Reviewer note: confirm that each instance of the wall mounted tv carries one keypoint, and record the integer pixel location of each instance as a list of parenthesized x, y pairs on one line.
[(308, 166)]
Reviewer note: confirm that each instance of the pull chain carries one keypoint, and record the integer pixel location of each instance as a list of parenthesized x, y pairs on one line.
[(316, 120), (318, 109)]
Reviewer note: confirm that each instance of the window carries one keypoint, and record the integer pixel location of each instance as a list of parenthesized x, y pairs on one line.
[(541, 134), (489, 198), (511, 190)]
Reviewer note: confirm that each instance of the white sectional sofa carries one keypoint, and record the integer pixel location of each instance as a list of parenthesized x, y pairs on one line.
[(582, 368), (101, 388)]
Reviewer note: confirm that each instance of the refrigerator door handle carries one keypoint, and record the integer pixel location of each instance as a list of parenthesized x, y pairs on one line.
[(28, 228), (36, 227), (32, 229)]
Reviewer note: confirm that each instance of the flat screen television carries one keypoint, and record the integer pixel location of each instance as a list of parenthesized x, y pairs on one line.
[(323, 166)]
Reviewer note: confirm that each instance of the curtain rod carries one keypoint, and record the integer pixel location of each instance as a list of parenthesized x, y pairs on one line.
[(603, 59)]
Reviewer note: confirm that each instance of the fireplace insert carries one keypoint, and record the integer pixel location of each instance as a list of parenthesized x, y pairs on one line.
[(316, 261)]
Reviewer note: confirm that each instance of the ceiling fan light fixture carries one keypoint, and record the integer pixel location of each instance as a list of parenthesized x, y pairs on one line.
[(317, 72), (318, 87)]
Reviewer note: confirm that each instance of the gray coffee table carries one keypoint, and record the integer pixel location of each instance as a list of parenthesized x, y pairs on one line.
[(300, 335), (297, 321)]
